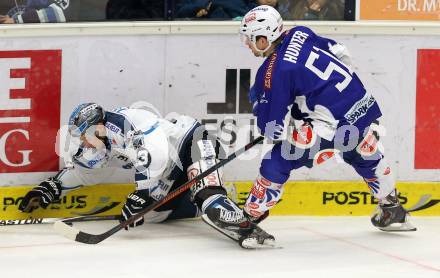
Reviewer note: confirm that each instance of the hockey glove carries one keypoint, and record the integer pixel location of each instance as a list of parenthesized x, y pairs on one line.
[(273, 130), (341, 52), (136, 201), (254, 99), (41, 196)]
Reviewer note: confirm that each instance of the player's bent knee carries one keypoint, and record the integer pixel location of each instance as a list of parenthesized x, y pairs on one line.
[(207, 192), (273, 171), (208, 186)]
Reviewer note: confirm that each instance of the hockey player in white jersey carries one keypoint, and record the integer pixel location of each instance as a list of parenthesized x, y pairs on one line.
[(162, 153)]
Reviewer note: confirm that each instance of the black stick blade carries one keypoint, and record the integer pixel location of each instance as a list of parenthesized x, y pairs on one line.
[(88, 238), (72, 233)]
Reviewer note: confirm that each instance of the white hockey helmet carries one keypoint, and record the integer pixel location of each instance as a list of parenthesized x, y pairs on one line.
[(263, 21)]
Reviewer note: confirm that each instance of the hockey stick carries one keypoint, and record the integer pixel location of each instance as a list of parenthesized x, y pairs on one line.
[(30, 221), (422, 202), (77, 235)]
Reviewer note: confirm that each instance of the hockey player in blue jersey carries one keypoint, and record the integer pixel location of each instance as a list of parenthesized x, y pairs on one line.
[(309, 79)]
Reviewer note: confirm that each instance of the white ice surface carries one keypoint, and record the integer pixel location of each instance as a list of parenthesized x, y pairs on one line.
[(311, 247)]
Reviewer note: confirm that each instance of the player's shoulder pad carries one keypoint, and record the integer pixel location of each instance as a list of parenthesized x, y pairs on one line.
[(303, 29)]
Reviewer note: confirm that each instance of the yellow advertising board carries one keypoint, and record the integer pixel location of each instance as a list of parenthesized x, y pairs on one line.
[(91, 200), (400, 9), (314, 198), (344, 198)]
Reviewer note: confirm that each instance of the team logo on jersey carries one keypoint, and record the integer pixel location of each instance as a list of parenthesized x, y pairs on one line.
[(323, 155), (360, 109), (368, 146), (303, 137), (268, 75)]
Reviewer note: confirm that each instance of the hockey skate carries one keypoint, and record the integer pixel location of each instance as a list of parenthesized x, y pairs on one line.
[(235, 225), (392, 217)]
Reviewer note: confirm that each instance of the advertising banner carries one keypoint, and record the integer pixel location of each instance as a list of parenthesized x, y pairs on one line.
[(315, 198), (30, 104), (328, 198), (428, 110), (399, 10), (91, 200)]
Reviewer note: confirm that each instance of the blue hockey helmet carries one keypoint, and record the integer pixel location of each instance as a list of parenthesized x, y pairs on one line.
[(84, 116)]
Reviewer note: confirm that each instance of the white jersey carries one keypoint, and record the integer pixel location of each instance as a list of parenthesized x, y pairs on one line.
[(138, 140)]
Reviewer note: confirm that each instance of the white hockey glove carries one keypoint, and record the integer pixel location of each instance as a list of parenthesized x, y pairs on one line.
[(341, 52)]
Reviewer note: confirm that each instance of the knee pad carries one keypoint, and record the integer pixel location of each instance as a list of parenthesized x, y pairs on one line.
[(213, 182), (207, 192), (382, 184), (220, 201)]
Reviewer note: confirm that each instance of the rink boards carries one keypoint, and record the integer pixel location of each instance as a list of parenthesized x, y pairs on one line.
[(45, 72), (315, 198)]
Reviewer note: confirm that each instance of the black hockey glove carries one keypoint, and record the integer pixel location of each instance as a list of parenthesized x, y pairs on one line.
[(41, 196), (136, 201)]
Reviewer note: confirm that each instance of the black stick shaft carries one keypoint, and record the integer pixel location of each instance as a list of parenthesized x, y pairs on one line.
[(93, 239)]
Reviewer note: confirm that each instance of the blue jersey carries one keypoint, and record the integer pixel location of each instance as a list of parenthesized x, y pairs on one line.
[(303, 76)]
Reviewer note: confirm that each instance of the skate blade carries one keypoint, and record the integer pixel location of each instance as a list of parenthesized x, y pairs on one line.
[(248, 243), (399, 227), (252, 243)]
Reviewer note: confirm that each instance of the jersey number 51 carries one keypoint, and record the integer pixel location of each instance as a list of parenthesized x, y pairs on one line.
[(332, 67)]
